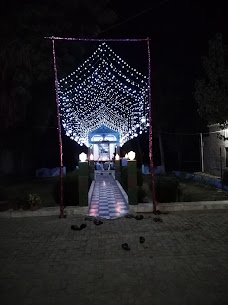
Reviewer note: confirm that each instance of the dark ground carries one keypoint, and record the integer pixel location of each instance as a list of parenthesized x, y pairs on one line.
[(183, 261)]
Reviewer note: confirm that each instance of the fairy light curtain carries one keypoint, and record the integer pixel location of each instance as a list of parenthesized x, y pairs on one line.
[(104, 90)]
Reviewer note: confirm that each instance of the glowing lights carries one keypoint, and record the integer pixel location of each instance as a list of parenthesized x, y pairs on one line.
[(131, 155), (117, 158), (126, 156), (143, 120), (104, 90), (82, 157), (91, 157)]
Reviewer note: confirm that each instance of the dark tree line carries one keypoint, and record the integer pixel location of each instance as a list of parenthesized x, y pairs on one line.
[(211, 91), (27, 97), (26, 65)]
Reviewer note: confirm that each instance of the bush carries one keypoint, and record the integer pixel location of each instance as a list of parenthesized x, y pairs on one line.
[(70, 189), (225, 177), (26, 202), (3, 194), (33, 201), (166, 189)]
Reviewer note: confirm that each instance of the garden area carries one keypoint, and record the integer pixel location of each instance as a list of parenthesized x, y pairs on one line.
[(33, 193), (27, 193), (172, 189), (169, 188)]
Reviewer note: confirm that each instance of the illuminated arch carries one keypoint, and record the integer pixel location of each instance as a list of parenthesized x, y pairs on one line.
[(104, 90)]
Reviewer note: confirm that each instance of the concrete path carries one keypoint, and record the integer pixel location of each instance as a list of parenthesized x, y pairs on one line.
[(107, 200), (182, 262)]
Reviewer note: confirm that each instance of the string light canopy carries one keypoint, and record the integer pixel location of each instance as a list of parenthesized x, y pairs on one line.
[(104, 90)]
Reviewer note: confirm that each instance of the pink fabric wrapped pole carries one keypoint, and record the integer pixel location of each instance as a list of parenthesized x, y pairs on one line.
[(151, 130), (94, 39), (59, 132)]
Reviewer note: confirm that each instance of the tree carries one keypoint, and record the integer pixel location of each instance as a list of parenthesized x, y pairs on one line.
[(26, 64), (168, 106), (27, 93), (211, 92)]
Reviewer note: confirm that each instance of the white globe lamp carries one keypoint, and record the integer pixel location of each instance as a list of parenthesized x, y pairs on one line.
[(82, 157), (131, 155), (117, 157)]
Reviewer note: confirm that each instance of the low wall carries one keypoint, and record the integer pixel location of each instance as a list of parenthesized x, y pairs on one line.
[(125, 196), (90, 193)]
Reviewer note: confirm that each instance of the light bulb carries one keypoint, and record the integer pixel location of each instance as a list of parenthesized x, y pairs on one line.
[(117, 157), (131, 155), (143, 119), (82, 157)]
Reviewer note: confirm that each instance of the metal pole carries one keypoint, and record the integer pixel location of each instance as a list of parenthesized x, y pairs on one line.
[(150, 130), (201, 149), (59, 133)]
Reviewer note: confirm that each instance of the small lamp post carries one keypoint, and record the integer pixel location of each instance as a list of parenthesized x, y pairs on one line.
[(132, 178), (83, 180)]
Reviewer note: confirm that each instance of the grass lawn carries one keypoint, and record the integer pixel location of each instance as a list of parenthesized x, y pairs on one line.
[(194, 191), (43, 187), (191, 191)]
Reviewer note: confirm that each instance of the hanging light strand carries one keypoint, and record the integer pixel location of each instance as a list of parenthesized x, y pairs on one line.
[(104, 90)]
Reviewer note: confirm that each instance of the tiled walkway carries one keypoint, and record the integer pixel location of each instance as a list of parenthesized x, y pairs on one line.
[(107, 200)]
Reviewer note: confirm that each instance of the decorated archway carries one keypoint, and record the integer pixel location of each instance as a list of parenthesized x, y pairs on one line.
[(104, 91)]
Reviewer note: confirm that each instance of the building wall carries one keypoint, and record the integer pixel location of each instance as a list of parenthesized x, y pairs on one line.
[(107, 135), (112, 150), (212, 145), (95, 151)]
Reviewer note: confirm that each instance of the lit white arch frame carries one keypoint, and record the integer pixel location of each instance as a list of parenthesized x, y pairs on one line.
[(53, 38)]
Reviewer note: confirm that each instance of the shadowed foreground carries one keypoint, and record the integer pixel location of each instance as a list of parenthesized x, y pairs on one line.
[(183, 260)]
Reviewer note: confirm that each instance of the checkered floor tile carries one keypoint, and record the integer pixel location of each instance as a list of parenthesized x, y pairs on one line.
[(107, 200)]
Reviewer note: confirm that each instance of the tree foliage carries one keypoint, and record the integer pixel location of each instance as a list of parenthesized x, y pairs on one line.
[(211, 92), (26, 63)]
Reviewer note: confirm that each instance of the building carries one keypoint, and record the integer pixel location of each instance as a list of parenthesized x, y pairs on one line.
[(104, 143)]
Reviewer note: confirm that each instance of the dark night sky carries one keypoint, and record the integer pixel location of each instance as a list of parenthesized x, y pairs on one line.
[(179, 32)]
